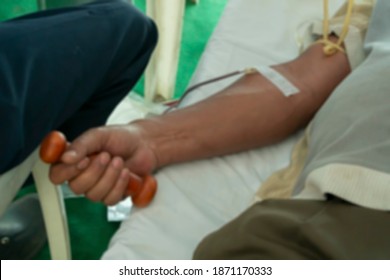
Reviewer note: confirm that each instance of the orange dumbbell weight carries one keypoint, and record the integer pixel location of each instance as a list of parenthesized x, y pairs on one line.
[(141, 190)]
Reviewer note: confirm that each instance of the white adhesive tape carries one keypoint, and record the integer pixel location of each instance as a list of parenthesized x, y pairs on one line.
[(284, 85)]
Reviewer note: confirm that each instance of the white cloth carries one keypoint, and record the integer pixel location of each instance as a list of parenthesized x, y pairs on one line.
[(349, 147)]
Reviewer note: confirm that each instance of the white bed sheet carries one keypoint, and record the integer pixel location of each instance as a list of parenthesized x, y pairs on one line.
[(197, 198)]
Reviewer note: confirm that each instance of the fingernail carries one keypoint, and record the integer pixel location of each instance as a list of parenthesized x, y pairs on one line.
[(70, 154), (83, 164), (125, 174), (104, 159), (117, 163)]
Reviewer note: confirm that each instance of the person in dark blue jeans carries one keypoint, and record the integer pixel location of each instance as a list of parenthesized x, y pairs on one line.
[(66, 69)]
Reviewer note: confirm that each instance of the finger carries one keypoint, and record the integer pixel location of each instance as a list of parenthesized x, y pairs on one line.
[(117, 192), (87, 179), (90, 142), (107, 181), (59, 172)]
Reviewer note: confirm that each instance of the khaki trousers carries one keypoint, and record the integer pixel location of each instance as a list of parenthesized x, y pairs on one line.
[(301, 229)]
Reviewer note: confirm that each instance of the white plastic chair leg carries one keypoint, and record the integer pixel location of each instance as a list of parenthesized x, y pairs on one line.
[(41, 4), (12, 181), (54, 214), (160, 76)]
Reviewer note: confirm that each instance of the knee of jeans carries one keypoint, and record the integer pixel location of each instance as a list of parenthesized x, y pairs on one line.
[(138, 26), (147, 30), (152, 33)]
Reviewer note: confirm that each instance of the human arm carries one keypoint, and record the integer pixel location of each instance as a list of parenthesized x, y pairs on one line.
[(250, 113)]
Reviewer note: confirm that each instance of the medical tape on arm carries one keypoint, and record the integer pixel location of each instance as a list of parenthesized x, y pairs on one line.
[(284, 85)]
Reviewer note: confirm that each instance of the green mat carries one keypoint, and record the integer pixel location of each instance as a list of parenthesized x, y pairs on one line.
[(89, 230)]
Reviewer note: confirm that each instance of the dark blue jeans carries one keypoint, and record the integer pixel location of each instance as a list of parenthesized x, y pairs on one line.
[(67, 69)]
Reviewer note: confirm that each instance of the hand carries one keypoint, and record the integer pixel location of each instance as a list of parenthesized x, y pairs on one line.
[(100, 162)]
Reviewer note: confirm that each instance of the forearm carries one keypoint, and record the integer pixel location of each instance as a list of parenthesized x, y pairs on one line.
[(248, 114)]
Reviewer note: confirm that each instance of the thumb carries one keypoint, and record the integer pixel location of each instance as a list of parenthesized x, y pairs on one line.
[(90, 142)]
